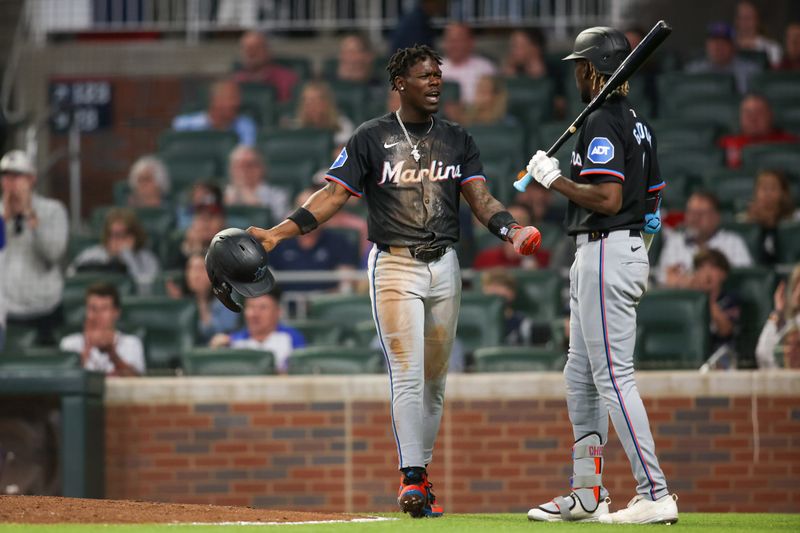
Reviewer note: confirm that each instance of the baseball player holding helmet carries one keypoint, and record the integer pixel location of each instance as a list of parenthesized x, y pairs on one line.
[(613, 189), (411, 167)]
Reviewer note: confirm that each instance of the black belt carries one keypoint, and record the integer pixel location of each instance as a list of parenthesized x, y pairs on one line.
[(420, 252), (598, 235)]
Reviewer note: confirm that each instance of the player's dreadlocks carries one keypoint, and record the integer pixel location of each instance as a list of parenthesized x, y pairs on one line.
[(405, 58), (598, 80)]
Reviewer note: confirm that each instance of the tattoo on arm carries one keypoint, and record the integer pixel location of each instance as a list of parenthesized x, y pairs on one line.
[(481, 201), (324, 203)]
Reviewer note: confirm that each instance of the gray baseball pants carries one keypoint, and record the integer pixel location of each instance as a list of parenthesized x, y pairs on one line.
[(415, 307), (607, 279)]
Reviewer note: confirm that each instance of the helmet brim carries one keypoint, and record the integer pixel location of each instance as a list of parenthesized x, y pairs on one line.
[(255, 288), (572, 57)]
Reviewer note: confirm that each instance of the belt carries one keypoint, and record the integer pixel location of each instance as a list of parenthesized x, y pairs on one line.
[(599, 235), (421, 252)]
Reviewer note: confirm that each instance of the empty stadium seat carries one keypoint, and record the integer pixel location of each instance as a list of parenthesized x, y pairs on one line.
[(499, 142), (186, 170), (538, 293), (733, 188), (777, 85), (294, 176), (677, 88), (754, 288), (38, 358), (343, 309), (259, 103), (518, 359), (788, 242), (335, 360), (695, 162), (293, 145), (301, 66), (530, 100), (350, 99), (720, 111), (160, 283), (18, 339), (227, 362), (450, 92), (363, 333), (170, 327), (500, 175), (317, 331), (480, 321), (546, 135), (673, 133), (781, 156), (200, 144), (672, 329), (244, 216)]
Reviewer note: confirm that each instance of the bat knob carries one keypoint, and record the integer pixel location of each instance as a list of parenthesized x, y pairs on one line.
[(522, 183)]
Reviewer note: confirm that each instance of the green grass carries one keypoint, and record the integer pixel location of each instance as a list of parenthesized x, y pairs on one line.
[(495, 523)]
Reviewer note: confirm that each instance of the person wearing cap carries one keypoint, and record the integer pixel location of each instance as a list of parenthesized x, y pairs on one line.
[(36, 232), (721, 57)]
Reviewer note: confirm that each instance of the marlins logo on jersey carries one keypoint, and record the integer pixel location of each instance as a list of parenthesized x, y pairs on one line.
[(437, 171)]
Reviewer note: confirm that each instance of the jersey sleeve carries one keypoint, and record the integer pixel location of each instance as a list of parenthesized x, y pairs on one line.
[(351, 166), (471, 167), (604, 159)]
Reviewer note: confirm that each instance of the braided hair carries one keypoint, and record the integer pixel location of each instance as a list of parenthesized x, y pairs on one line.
[(405, 58), (599, 80)]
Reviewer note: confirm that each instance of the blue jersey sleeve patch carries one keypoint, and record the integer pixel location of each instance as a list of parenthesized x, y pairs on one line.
[(600, 151), (341, 159)]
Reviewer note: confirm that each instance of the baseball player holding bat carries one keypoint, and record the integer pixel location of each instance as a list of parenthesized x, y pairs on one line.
[(613, 193), (412, 168)]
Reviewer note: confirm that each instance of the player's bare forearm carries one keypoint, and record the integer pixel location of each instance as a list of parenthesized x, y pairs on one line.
[(323, 204), (605, 198), (480, 200)]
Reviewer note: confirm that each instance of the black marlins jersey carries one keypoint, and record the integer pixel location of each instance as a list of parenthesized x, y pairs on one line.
[(410, 202), (615, 144)]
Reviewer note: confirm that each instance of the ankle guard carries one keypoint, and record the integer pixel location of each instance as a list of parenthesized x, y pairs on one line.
[(587, 470)]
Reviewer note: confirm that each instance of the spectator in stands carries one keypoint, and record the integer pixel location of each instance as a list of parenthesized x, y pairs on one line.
[(721, 57), (756, 126), (248, 185), (263, 330), (791, 60), (790, 347), (2, 298), (122, 249), (772, 204), (208, 219), (322, 249), (526, 58), (36, 232), (701, 231), (490, 106), (317, 109), (517, 327), (415, 27), (785, 315), (201, 193), (748, 36), (212, 316), (103, 348), (711, 269), (258, 66), (460, 64), (503, 254), (149, 182), (222, 114), (540, 202), (356, 61)]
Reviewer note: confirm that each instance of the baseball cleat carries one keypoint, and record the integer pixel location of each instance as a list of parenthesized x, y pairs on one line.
[(640, 510), (432, 510), (568, 509), (413, 498)]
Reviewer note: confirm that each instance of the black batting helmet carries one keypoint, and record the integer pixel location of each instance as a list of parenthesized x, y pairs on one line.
[(603, 47), (236, 261)]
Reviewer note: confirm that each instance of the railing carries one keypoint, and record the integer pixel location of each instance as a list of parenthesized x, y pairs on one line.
[(194, 17)]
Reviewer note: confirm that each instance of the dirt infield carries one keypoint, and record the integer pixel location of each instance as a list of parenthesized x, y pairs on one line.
[(52, 510)]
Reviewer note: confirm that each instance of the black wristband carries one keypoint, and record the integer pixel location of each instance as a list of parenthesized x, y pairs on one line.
[(500, 224), (304, 220)]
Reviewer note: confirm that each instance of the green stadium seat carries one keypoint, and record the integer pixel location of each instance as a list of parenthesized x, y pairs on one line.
[(343, 309), (750, 233), (200, 144), (500, 176), (788, 242), (518, 359), (499, 142), (754, 287), (674, 133), (480, 320), (39, 358), (538, 293), (758, 57), (259, 103), (227, 362), (293, 145), (733, 188), (317, 332), (186, 170), (677, 88), (450, 92), (363, 333), (335, 360), (672, 330), (530, 98), (719, 111), (777, 85), (18, 339), (552, 234), (548, 133), (694, 162), (74, 292), (294, 176), (301, 65), (244, 216), (170, 327), (679, 187), (156, 221), (350, 98), (77, 243), (783, 156), (160, 283)]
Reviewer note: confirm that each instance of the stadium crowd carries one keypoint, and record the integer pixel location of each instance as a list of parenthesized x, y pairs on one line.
[(728, 130)]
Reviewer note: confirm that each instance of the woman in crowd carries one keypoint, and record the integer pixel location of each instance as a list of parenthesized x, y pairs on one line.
[(317, 109), (149, 182), (772, 204), (785, 315), (122, 249)]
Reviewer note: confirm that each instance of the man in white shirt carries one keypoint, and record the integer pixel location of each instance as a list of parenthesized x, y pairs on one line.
[(263, 331), (248, 186), (460, 64), (701, 231), (102, 347)]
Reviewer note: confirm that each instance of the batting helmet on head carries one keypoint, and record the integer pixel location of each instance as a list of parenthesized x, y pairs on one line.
[(603, 47), (236, 261)]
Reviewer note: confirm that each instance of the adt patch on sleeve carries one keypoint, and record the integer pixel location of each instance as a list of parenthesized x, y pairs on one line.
[(341, 159), (600, 151)]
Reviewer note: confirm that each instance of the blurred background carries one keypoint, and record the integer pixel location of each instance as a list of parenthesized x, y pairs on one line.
[(145, 126)]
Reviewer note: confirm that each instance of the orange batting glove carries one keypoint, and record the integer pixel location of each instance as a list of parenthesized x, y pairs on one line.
[(526, 240)]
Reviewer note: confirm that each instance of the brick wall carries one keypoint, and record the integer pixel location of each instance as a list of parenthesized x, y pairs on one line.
[(493, 455)]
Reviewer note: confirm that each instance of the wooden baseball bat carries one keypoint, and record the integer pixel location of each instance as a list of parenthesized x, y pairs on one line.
[(635, 59)]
